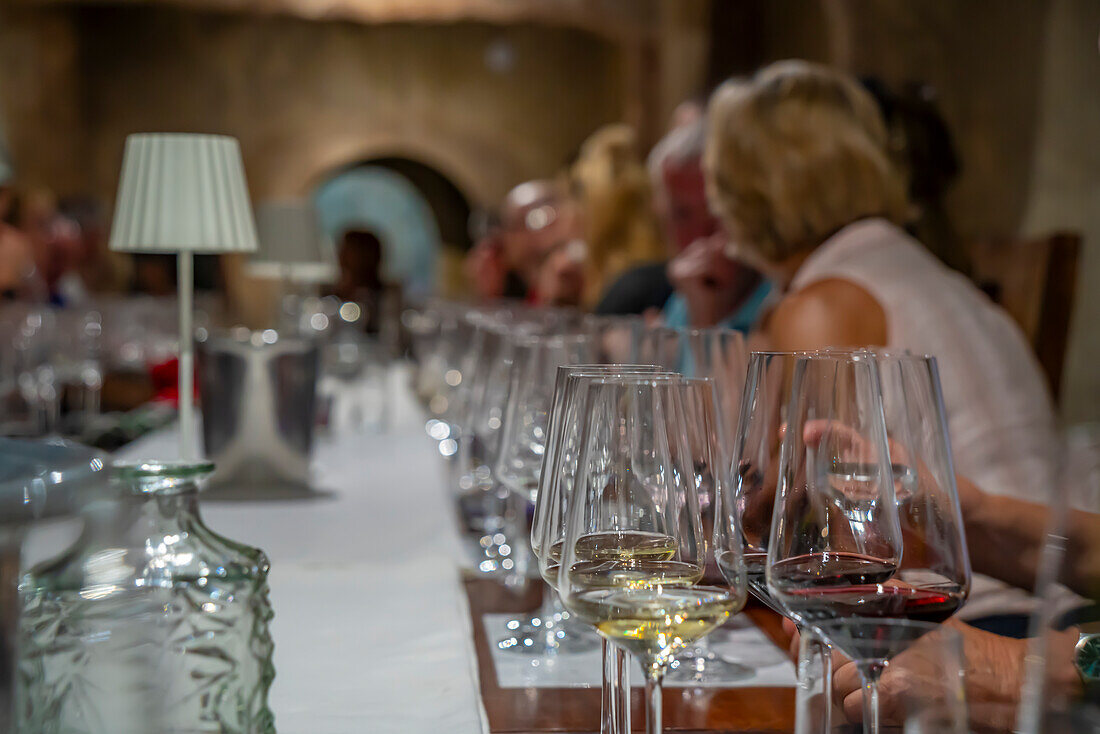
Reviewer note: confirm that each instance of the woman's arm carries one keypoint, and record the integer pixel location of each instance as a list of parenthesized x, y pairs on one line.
[(1006, 537)]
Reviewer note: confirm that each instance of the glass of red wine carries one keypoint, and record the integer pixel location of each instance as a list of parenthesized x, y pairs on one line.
[(743, 517), (856, 539)]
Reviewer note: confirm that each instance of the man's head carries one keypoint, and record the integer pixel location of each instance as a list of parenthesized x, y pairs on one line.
[(680, 196), (536, 218)]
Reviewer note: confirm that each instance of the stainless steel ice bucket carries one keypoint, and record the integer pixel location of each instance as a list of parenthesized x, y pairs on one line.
[(258, 396)]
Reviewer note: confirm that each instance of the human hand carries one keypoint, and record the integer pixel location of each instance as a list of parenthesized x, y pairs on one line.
[(485, 267), (993, 677), (560, 279), (707, 279)]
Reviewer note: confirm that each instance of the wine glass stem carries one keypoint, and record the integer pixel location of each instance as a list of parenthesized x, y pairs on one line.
[(653, 680), (870, 672), (813, 709), (615, 710)]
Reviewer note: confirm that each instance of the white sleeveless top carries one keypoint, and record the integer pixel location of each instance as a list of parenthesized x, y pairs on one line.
[(999, 412)]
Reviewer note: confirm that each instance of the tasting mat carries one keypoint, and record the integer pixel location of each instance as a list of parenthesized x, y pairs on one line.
[(739, 641)]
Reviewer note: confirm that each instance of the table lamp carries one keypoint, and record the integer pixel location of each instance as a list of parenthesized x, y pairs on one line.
[(183, 193), (293, 247)]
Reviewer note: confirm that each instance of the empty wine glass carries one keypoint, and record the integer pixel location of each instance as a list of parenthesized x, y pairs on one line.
[(720, 355), (835, 551), (634, 549), (743, 514), (524, 436), (615, 337)]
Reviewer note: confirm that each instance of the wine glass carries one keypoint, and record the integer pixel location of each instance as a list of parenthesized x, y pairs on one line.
[(743, 514), (718, 354), (548, 524), (634, 550), (615, 337), (844, 515), (524, 436)]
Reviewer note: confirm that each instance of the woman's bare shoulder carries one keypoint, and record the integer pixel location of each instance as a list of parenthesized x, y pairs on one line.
[(828, 313)]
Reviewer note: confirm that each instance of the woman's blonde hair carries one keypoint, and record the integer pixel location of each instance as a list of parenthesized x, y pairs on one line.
[(794, 154), (612, 185)]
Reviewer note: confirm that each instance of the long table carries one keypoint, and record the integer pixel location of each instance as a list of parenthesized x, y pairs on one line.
[(372, 629)]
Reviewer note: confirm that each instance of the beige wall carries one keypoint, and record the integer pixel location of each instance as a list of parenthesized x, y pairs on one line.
[(1065, 187), (307, 97), (39, 86)]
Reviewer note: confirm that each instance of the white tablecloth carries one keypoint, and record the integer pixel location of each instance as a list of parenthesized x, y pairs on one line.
[(372, 631)]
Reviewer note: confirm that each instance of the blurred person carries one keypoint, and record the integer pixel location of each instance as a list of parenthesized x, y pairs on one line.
[(921, 147), (359, 255), (612, 187), (92, 266), (16, 249), (701, 285), (537, 219), (797, 170)]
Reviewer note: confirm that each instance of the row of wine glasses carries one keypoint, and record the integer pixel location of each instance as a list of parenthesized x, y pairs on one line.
[(825, 478), (841, 511)]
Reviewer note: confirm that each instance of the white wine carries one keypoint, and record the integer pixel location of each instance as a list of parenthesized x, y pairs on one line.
[(622, 547), (610, 545), (655, 623), (634, 574), (626, 545)]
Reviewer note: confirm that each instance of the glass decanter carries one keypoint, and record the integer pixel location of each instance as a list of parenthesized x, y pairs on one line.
[(151, 622)]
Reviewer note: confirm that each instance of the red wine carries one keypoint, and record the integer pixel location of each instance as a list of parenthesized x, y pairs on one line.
[(832, 569), (837, 585)]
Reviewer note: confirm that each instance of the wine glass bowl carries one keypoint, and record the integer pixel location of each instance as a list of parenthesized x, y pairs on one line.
[(633, 551), (866, 528)]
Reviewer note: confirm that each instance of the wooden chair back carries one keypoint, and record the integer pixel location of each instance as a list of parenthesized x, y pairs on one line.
[(1034, 279)]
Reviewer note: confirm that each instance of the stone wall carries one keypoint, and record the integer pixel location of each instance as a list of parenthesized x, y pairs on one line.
[(309, 97)]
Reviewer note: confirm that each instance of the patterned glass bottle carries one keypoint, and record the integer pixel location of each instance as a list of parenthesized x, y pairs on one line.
[(151, 622)]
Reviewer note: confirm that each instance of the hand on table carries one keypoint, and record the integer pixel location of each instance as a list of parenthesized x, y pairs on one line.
[(993, 677)]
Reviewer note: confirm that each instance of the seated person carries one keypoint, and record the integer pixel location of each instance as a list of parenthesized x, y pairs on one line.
[(995, 665), (797, 170), (701, 285), (611, 187), (18, 275), (537, 219)]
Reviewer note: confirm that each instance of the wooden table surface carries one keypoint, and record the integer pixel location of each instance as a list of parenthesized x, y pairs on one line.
[(532, 710)]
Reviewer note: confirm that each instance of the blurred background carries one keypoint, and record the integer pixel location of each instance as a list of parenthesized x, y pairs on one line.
[(417, 117)]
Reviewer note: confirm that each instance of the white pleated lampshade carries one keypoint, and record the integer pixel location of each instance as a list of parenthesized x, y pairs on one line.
[(292, 244), (182, 192)]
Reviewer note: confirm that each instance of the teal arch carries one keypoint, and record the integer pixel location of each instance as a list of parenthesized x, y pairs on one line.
[(385, 202)]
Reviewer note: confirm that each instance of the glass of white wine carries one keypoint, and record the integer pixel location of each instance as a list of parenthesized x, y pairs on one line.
[(634, 550), (556, 480)]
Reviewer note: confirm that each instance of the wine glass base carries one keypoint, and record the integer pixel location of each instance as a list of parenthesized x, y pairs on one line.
[(542, 636), (699, 665)]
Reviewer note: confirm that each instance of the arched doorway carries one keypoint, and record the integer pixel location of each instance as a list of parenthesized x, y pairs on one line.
[(418, 213)]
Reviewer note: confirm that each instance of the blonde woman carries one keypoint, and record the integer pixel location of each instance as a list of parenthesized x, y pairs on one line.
[(612, 186), (797, 169)]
